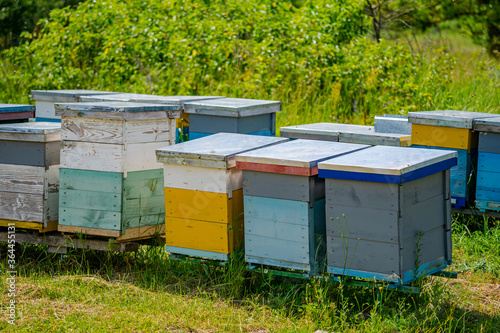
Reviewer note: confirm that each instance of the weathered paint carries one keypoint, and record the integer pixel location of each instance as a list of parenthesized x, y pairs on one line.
[(245, 125), (389, 123), (215, 151), (489, 142), (446, 137), (491, 125), (232, 107), (32, 131), (16, 112), (322, 131), (383, 139), (51, 225), (199, 135)]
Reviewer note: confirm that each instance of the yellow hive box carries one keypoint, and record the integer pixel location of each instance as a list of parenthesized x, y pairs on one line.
[(446, 137)]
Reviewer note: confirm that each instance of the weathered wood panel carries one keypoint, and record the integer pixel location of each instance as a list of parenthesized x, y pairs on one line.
[(88, 231), (280, 186), (392, 124), (22, 178), (488, 162), (489, 142), (448, 137), (430, 246), (144, 184), (21, 207), (94, 200), (86, 180), (488, 194), (89, 218), (203, 206), (142, 232), (51, 207), (291, 212), (424, 216), (257, 123), (22, 153), (275, 248), (144, 206), (488, 179), (212, 124), (363, 255), (141, 156), (116, 131), (137, 221), (45, 109), (202, 179), (273, 228)]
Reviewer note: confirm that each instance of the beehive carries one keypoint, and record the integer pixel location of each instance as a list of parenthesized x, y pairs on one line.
[(16, 113), (344, 133), (204, 195), (232, 115), (110, 182), (390, 123), (45, 100), (388, 213), (452, 130), (29, 174), (488, 164), (182, 122), (284, 203)]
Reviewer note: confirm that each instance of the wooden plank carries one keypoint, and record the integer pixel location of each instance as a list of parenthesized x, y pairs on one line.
[(51, 179), (486, 179), (142, 232), (143, 184), (51, 225), (213, 124), (232, 107), (280, 186), (423, 189), (447, 137), (423, 216), (52, 153), (487, 206), (22, 178), (92, 200), (290, 212), (197, 235), (139, 221), (389, 123), (202, 179), (88, 218), (51, 207), (488, 162), (22, 153), (16, 116), (489, 142), (447, 118), (144, 206), (363, 255), (88, 231), (119, 115), (203, 206), (277, 249), (141, 156), (385, 139), (273, 228), (488, 194), (277, 263), (115, 131), (367, 224), (21, 207), (87, 180), (431, 246), (45, 109), (308, 136), (282, 169)]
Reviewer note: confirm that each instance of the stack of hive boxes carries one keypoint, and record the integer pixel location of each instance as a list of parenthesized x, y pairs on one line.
[(182, 122), (388, 213), (29, 174), (232, 115), (16, 113), (110, 182), (345, 133), (204, 196), (488, 164), (451, 130), (284, 203)]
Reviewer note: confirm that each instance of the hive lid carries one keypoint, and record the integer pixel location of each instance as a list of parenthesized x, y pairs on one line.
[(389, 123), (32, 131), (446, 118), (491, 124), (383, 164), (298, 157), (72, 95), (143, 98), (7, 108), (117, 110), (232, 107), (374, 138), (324, 129), (214, 151)]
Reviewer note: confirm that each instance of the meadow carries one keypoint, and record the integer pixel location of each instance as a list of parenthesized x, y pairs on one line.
[(91, 291)]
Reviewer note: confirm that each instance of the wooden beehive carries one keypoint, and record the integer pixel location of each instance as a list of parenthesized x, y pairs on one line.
[(390, 123), (348, 133), (488, 164), (388, 213), (16, 113), (451, 130), (232, 115), (182, 122), (284, 203), (110, 182), (204, 196), (29, 175), (45, 100)]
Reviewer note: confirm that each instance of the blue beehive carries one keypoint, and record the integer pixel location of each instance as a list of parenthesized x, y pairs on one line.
[(232, 115), (388, 213), (284, 203), (488, 164), (17, 113)]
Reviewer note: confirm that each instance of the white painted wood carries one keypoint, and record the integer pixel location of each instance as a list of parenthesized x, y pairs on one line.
[(45, 109), (22, 178), (116, 131), (120, 115), (202, 179), (21, 207), (51, 180), (110, 157)]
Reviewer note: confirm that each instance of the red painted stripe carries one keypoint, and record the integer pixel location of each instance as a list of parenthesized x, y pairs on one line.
[(273, 168), (17, 115)]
